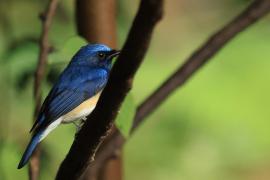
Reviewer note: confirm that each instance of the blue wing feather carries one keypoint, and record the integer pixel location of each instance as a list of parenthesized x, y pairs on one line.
[(74, 86), (30, 148)]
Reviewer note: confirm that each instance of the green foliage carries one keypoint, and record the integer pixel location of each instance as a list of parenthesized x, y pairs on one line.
[(61, 56), (22, 61), (215, 127), (126, 115), (64, 54)]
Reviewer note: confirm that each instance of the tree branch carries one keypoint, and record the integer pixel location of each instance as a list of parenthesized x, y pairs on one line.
[(39, 75), (96, 22), (99, 122), (255, 11)]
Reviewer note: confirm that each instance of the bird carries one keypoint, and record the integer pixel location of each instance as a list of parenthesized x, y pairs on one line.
[(75, 93)]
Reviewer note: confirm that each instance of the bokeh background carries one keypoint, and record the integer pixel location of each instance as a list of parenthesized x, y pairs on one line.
[(216, 127)]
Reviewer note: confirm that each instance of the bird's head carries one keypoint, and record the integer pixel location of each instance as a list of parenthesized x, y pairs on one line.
[(95, 55)]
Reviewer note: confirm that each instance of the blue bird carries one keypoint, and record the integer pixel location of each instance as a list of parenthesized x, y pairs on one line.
[(75, 93)]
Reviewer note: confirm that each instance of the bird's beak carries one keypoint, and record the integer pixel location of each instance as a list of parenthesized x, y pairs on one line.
[(113, 53)]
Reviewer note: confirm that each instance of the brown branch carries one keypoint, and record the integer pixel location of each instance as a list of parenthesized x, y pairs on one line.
[(120, 82), (255, 11), (39, 75), (96, 22)]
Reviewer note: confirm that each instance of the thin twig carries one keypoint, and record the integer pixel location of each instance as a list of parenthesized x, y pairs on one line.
[(39, 75), (254, 12), (96, 127)]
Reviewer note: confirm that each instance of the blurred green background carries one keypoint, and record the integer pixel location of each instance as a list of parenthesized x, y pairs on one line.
[(215, 128)]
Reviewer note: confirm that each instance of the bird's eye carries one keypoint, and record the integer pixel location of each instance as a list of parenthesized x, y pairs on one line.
[(101, 55)]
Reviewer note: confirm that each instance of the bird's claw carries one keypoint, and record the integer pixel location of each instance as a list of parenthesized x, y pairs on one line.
[(84, 119), (79, 125)]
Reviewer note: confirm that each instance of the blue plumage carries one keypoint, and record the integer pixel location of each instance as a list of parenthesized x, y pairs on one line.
[(75, 85), (84, 77), (30, 149)]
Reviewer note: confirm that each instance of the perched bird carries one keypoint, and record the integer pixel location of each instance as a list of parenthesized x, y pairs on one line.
[(75, 93)]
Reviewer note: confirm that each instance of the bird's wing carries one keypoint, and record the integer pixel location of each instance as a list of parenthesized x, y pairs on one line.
[(63, 99)]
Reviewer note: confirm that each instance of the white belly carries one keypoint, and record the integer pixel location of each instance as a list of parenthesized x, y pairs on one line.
[(67, 119), (79, 114), (83, 110)]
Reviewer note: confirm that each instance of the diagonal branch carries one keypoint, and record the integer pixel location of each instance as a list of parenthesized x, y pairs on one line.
[(44, 46), (99, 122), (201, 56), (96, 22), (254, 12)]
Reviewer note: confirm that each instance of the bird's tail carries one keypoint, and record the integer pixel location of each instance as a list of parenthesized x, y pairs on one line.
[(30, 148)]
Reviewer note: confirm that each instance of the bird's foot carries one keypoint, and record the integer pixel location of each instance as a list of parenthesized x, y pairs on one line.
[(79, 124), (84, 119)]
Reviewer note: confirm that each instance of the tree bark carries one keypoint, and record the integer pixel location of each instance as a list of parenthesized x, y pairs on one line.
[(96, 127), (195, 62), (96, 22)]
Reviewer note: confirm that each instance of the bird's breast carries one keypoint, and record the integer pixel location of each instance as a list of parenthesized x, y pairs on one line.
[(83, 110)]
